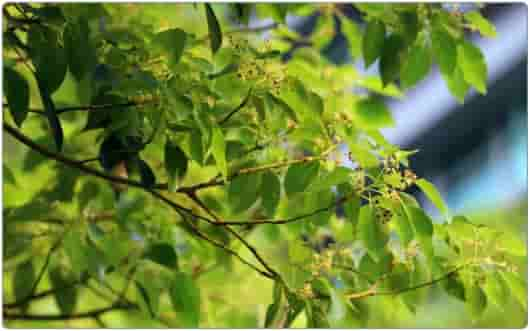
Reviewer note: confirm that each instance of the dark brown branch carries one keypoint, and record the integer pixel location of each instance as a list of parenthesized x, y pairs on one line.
[(69, 162), (76, 164), (372, 291), (38, 296), (218, 181), (181, 210), (48, 317), (425, 284), (251, 248), (95, 107), (34, 286), (288, 220)]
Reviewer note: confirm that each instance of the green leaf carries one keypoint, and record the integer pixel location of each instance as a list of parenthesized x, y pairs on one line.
[(243, 191), (16, 90), (316, 316), (80, 53), (423, 228), (65, 295), (276, 310), (444, 49), (23, 280), (242, 11), (214, 30), (409, 25), (512, 244), (457, 84), (338, 176), (372, 113), (371, 269), (95, 233), (48, 56), (518, 287), (352, 206), (7, 175), (373, 41), (421, 222), (404, 229), (390, 63), (163, 254), (416, 65), (196, 151), (146, 303), (471, 60), (370, 233), (270, 192), (478, 22), (476, 301), (432, 193), (496, 290), (354, 36), (299, 176), (50, 15), (53, 119), (147, 176), (219, 150), (172, 43), (363, 155), (186, 300), (176, 164)]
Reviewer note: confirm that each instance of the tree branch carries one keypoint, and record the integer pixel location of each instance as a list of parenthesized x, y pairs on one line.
[(34, 286), (425, 284), (69, 162), (372, 291), (218, 181), (287, 220), (95, 107), (47, 317), (180, 210)]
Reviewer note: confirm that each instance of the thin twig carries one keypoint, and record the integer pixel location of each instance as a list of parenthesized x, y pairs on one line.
[(35, 284), (218, 181), (95, 107), (47, 317), (181, 210), (372, 291)]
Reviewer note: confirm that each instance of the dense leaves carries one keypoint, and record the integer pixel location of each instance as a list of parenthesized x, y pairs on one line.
[(249, 164), (16, 90)]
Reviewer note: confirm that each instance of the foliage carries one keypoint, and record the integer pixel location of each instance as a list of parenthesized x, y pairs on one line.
[(168, 162)]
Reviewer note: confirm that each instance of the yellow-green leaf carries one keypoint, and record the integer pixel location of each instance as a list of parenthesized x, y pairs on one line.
[(478, 22), (299, 176), (186, 299), (373, 41), (444, 50), (518, 287), (219, 150), (372, 113), (476, 301), (432, 193), (471, 60), (370, 233), (457, 84)]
